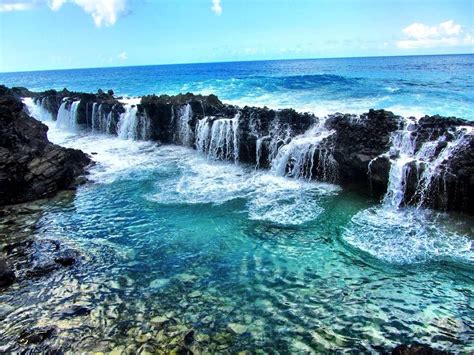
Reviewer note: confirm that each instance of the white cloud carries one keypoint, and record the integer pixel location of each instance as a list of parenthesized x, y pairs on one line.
[(446, 34), (103, 12), (216, 7), (15, 6), (122, 55)]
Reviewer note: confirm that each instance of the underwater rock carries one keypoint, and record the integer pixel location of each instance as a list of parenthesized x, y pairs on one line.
[(238, 329), (417, 349), (30, 166), (7, 276), (37, 335), (66, 258), (75, 311)]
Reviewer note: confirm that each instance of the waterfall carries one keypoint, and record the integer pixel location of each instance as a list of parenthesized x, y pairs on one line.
[(37, 109), (102, 120), (434, 168), (184, 130), (429, 159), (133, 125), (297, 158), (203, 130), (218, 138), (67, 115)]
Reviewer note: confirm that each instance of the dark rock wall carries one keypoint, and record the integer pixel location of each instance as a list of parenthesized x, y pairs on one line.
[(30, 166)]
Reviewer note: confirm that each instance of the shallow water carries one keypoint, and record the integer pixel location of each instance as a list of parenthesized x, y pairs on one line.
[(246, 259)]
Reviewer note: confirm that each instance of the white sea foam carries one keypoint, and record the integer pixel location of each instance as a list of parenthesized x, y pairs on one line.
[(269, 198), (409, 235), (37, 111)]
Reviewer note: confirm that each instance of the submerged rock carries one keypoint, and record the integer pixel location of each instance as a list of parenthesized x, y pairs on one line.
[(37, 335), (417, 349), (7, 276)]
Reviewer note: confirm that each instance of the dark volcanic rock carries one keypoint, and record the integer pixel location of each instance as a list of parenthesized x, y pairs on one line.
[(358, 141), (30, 166), (7, 276)]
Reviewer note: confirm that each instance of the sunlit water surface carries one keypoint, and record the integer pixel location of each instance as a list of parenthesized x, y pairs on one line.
[(246, 259)]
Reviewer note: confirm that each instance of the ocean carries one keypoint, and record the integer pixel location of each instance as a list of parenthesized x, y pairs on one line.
[(408, 86), (177, 248)]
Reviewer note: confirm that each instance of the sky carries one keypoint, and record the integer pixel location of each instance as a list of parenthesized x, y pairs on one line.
[(61, 34)]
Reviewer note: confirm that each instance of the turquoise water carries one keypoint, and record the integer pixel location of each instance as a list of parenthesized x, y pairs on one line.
[(248, 260), (409, 86)]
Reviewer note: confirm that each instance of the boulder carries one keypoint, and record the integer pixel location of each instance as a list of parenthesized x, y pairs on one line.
[(30, 166)]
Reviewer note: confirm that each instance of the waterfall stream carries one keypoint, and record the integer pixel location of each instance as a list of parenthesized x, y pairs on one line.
[(133, 125), (67, 115), (218, 138), (429, 158), (298, 157)]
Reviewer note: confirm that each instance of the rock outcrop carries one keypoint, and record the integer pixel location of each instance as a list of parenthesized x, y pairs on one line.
[(30, 166), (362, 151)]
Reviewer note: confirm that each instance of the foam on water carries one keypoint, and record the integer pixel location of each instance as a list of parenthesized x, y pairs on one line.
[(408, 235), (269, 198)]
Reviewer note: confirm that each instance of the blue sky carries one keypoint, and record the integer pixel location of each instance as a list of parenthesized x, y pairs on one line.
[(59, 34)]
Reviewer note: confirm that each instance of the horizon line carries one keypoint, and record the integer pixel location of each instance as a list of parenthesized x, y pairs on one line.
[(236, 61)]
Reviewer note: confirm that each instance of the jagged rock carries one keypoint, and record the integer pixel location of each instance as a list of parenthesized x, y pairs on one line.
[(7, 275), (30, 166)]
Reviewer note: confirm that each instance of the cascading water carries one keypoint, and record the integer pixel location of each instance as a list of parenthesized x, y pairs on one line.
[(133, 125), (102, 119), (184, 130), (401, 154), (67, 115), (37, 108), (405, 156), (218, 138), (297, 158)]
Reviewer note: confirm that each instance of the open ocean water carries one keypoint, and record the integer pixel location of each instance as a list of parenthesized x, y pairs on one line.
[(409, 86), (173, 242)]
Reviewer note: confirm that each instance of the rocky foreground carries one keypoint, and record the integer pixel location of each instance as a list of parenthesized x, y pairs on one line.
[(434, 155), (31, 168)]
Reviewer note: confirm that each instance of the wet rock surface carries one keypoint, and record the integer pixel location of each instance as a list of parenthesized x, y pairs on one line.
[(417, 349), (30, 166)]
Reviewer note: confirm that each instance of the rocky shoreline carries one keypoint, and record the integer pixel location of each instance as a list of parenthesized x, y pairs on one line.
[(31, 168), (350, 150)]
